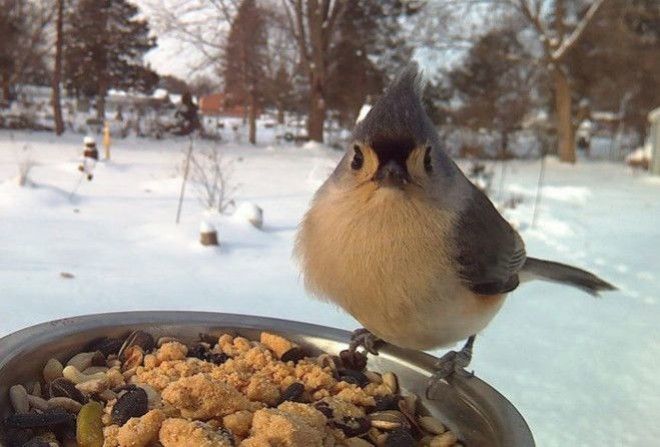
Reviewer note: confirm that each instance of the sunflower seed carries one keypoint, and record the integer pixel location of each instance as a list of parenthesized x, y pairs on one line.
[(52, 370), (352, 426), (432, 425), (137, 338), (49, 418), (133, 403), (388, 420), (64, 403), (65, 388), (390, 379), (293, 392), (399, 438), (357, 442)]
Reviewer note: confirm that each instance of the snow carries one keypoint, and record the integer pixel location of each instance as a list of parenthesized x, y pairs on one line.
[(641, 154), (206, 227), (582, 371), (364, 111), (250, 212)]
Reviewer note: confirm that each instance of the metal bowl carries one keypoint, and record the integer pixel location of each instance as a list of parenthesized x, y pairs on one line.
[(478, 414)]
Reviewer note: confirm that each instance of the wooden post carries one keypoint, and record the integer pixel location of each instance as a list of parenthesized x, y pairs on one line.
[(208, 234)]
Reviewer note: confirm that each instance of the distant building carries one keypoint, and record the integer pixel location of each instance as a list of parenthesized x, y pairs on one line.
[(215, 104)]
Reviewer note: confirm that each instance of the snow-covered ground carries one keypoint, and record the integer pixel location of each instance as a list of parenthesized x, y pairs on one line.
[(582, 371)]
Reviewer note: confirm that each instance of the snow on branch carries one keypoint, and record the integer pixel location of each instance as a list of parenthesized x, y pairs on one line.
[(569, 42)]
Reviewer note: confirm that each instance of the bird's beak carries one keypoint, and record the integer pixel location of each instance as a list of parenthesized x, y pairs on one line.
[(392, 175)]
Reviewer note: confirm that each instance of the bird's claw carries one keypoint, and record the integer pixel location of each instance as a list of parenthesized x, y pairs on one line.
[(453, 363), (363, 338)]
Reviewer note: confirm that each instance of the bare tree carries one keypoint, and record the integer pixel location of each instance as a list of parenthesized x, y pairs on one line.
[(57, 69), (211, 176), (556, 40), (202, 24), (24, 44), (313, 24)]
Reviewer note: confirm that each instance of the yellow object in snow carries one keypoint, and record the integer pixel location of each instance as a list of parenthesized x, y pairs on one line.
[(106, 140)]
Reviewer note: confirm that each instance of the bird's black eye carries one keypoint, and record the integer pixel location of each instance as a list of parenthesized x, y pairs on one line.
[(358, 158), (428, 167)]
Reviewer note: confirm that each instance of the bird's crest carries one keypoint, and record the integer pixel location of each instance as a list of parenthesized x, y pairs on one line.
[(399, 113)]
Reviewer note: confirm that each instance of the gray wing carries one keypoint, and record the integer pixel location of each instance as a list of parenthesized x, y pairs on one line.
[(490, 253)]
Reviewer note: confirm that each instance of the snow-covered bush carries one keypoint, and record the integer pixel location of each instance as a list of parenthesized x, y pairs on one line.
[(251, 213)]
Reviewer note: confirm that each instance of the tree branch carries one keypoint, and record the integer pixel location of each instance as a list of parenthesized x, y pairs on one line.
[(571, 40)]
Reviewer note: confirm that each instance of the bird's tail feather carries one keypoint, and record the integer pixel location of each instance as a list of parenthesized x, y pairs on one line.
[(565, 274)]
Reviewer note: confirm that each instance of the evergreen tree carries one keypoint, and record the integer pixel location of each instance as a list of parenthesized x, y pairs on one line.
[(104, 46), (369, 51), (625, 32), (23, 43), (245, 57), (495, 85), (11, 24)]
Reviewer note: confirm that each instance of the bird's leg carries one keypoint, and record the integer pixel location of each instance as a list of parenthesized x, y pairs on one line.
[(454, 361), (362, 337)]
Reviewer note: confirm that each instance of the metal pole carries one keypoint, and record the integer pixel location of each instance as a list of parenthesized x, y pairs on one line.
[(185, 179)]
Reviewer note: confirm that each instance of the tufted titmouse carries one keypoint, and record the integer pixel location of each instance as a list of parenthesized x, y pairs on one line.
[(403, 241)]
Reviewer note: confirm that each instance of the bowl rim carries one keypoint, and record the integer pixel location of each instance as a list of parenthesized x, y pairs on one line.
[(13, 344)]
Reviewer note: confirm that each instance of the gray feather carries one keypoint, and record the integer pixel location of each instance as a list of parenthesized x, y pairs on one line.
[(565, 274), (399, 112), (490, 253)]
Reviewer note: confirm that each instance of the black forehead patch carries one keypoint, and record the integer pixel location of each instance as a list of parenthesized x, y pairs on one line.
[(397, 149)]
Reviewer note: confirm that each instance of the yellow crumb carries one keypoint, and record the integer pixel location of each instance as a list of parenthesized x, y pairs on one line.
[(200, 397), (183, 433), (142, 431)]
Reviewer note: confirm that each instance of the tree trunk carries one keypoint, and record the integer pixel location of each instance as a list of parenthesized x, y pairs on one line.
[(562, 91), (280, 112), (317, 69), (316, 117), (5, 85), (57, 72), (504, 145), (252, 134)]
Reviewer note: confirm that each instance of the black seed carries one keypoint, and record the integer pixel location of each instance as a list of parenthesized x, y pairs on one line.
[(353, 376), (16, 437), (353, 360), (210, 339), (132, 404), (138, 338), (324, 408), (98, 359), (62, 387), (399, 438), (105, 345), (294, 355), (127, 387), (49, 418), (218, 359), (388, 402), (293, 393), (228, 435), (352, 426), (36, 442), (198, 351)]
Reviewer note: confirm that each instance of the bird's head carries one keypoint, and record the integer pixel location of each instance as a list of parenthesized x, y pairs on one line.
[(395, 150)]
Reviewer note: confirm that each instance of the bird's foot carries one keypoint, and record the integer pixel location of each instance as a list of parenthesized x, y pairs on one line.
[(454, 362), (363, 338)]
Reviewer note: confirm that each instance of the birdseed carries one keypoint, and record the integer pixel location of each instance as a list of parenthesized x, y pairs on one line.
[(224, 391)]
